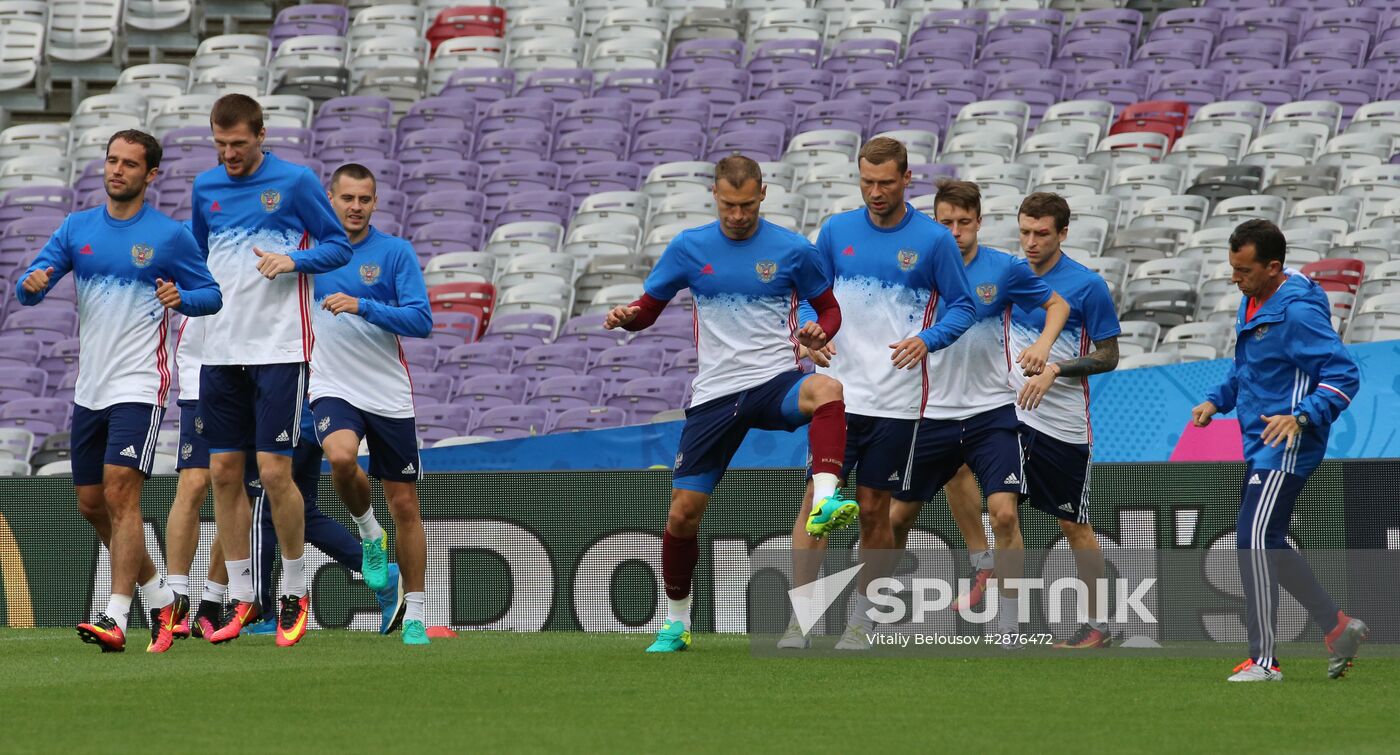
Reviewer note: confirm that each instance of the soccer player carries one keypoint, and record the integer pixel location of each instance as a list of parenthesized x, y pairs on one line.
[(1053, 406), (969, 424), (257, 217), (747, 276), (360, 387), (132, 265), (1291, 379), (892, 264)]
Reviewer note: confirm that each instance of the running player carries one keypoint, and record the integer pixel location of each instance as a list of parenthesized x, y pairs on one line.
[(1291, 379), (132, 265), (252, 214), (1053, 406), (969, 419), (360, 387), (892, 264), (747, 276)]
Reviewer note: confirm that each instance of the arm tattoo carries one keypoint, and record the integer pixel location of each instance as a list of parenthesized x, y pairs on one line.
[(1103, 358)]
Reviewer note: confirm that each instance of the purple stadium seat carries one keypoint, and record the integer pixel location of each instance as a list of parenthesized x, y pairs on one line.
[(353, 112), (433, 385), (723, 89), (21, 382), (49, 324), (91, 177), (1195, 87), (355, 144), (954, 87), (390, 205), (420, 353), (1271, 86), (1279, 23), (1208, 19), (551, 206), (517, 113), (33, 201), (1159, 56), (444, 175), (637, 86), (41, 416), (305, 20), (558, 85), (23, 238), (1122, 87), (512, 178), (932, 48), (1385, 57), (592, 145), (862, 55), (448, 236), (760, 143), (768, 114), (925, 175), (924, 115), (595, 112), (589, 418), (488, 391), (618, 365), (684, 364), (805, 87), (512, 145), (473, 359), (782, 56), (457, 417), (1038, 88), (612, 175), (64, 392), (432, 145), (672, 339), (1350, 88), (442, 111), (1087, 55), (558, 394), (587, 330), (550, 360), (879, 88), (691, 111), (1107, 22), (727, 49), (847, 115), (1251, 54), (480, 84), (1013, 55), (505, 422), (24, 351), (1336, 52), (644, 397), (668, 145), (455, 204), (58, 359), (522, 330)]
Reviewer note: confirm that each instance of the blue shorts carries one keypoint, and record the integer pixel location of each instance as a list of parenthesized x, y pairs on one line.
[(878, 450), (714, 430), (393, 442), (987, 443), (255, 406), (1057, 475), (194, 450), (123, 435)]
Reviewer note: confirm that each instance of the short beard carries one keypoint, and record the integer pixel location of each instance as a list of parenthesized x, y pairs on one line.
[(128, 196)]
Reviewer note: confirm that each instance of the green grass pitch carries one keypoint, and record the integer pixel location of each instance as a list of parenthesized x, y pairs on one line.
[(566, 692)]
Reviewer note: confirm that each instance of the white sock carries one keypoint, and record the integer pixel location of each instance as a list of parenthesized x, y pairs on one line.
[(369, 526), (679, 610), (180, 583), (860, 612), (824, 484), (213, 592), (413, 606), (982, 560), (240, 580), (118, 607), (293, 577), (156, 594), (1006, 614)]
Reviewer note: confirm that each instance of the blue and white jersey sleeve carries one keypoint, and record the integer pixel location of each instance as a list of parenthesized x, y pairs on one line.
[(1064, 412), (1026, 290), (56, 254), (332, 248), (950, 281), (357, 356), (670, 275)]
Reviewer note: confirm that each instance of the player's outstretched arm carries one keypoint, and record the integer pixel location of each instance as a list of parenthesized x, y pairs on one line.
[(332, 248), (52, 263), (639, 315), (412, 317), (195, 292), (950, 283), (1104, 358), (1033, 360)]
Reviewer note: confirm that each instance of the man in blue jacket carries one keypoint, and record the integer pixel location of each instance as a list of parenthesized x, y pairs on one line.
[(1291, 380)]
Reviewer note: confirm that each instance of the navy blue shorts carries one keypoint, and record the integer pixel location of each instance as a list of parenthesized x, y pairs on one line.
[(1058, 475), (714, 430), (194, 450), (123, 435), (393, 441), (878, 450), (254, 406), (987, 443)]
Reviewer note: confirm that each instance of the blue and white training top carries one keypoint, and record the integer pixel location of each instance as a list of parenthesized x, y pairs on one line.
[(1288, 360), (280, 208), (122, 327), (746, 294), (969, 377), (1064, 412), (889, 282), (187, 362), (357, 357)]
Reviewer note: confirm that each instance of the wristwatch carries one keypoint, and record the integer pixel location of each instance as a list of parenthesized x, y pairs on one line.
[(1302, 419)]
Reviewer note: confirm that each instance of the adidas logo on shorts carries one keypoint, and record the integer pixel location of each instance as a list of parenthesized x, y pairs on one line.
[(894, 476), (1011, 479), (129, 452), (284, 437), (1255, 480), (409, 470), (1067, 507)]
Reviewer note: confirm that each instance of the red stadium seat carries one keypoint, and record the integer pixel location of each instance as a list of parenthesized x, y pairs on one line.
[(470, 296), (1342, 274), (1168, 117), (467, 21)]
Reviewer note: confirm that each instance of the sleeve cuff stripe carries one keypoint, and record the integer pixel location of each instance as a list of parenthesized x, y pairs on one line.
[(1334, 390)]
